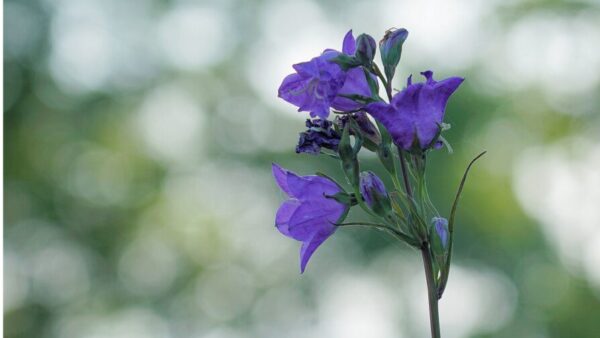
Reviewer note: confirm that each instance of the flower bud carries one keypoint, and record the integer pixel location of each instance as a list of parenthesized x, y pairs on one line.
[(374, 193), (390, 48), (438, 238), (365, 49), (440, 227)]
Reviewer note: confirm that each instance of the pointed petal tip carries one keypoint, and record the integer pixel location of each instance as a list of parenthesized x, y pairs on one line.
[(428, 74), (280, 175), (275, 167), (349, 43), (451, 84)]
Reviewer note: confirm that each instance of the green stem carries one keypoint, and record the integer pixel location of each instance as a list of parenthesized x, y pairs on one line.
[(405, 173), (432, 290), (434, 317)]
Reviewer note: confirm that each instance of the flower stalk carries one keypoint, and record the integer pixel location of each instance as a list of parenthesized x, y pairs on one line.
[(434, 316)]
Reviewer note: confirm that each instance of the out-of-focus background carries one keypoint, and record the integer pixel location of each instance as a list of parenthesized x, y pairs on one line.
[(138, 196)]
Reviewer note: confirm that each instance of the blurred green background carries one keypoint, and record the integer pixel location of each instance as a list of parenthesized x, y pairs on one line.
[(138, 137)]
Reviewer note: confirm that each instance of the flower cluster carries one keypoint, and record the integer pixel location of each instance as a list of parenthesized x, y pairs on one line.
[(401, 131)]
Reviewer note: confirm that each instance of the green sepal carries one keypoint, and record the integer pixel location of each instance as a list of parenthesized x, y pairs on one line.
[(401, 216), (359, 98), (344, 198), (381, 205), (346, 61), (373, 85)]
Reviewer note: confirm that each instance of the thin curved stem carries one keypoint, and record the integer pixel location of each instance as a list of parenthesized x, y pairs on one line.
[(446, 270)]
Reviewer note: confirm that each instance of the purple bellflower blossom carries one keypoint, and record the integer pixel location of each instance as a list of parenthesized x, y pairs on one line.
[(309, 215), (320, 134), (416, 114), (319, 83)]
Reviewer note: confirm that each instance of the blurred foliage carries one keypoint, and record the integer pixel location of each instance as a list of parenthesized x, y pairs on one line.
[(138, 200)]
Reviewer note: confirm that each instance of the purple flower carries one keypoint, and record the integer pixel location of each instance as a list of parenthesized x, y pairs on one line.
[(309, 214), (317, 84), (417, 112), (320, 134), (373, 192), (441, 229)]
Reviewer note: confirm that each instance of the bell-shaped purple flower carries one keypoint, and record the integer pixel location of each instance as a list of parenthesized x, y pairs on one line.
[(415, 114), (310, 214), (319, 83)]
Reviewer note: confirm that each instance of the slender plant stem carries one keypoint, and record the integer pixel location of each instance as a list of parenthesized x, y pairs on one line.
[(446, 271), (434, 317), (405, 173)]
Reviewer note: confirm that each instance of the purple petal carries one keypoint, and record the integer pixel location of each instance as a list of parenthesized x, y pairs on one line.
[(398, 124), (417, 111), (309, 247), (432, 100), (294, 89), (307, 69), (446, 88), (316, 108), (349, 45), (314, 216), (428, 76), (281, 177), (284, 213), (311, 187), (356, 83)]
